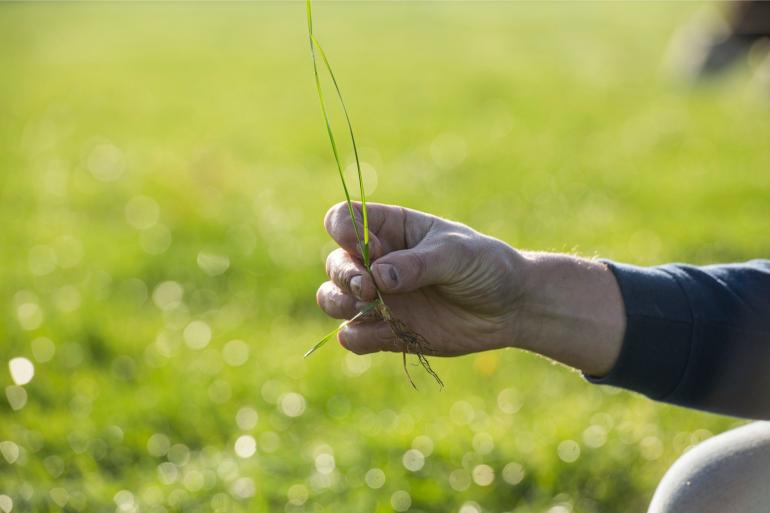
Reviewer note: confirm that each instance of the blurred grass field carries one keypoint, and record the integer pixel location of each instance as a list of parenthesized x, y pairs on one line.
[(164, 174)]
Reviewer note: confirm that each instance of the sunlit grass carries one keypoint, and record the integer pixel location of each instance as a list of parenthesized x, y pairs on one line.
[(164, 171), (362, 233)]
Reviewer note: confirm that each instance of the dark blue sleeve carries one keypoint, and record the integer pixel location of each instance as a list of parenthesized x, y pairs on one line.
[(697, 336)]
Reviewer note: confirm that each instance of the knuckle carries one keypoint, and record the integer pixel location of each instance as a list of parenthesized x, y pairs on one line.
[(462, 244)]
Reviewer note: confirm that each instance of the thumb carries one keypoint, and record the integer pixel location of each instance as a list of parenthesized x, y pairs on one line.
[(410, 269)]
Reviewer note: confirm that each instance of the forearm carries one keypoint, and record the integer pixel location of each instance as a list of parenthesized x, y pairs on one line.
[(697, 336), (571, 311)]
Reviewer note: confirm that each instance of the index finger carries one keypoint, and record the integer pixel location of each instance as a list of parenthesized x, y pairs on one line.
[(391, 227)]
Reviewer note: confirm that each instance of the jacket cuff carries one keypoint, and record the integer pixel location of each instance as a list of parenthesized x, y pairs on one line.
[(656, 344)]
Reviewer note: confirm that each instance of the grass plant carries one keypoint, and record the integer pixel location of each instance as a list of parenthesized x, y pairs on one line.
[(412, 342)]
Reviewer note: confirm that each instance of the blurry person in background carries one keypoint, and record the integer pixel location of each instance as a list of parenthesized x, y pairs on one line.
[(710, 46), (693, 336)]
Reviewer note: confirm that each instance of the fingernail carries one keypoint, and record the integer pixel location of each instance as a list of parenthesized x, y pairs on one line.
[(388, 275), (355, 285)]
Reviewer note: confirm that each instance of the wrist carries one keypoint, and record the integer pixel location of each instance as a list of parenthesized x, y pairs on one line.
[(570, 309), (528, 319)]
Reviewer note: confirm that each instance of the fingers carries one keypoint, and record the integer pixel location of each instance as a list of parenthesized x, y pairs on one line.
[(335, 302), (368, 337), (391, 227), (350, 275), (435, 261), (409, 249)]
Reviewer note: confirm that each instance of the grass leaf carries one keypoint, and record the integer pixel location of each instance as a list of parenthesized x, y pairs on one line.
[(339, 328), (314, 44)]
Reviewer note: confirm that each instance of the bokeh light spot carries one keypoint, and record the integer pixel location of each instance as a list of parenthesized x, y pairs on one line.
[(43, 349), (29, 315), (413, 460), (106, 162), (246, 418), (568, 451), (292, 404), (212, 263), (245, 446), (6, 504), (197, 334), (178, 454), (124, 501), (22, 370), (10, 451), (193, 481), (158, 445), (59, 496), (651, 448), (168, 295), (483, 475), (595, 436), (243, 488), (401, 500), (324, 463), (235, 353), (298, 494), (374, 478), (355, 365), (459, 480), (508, 401), (513, 473), (483, 443), (167, 473)]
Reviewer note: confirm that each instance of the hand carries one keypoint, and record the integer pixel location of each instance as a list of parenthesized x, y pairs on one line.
[(452, 285)]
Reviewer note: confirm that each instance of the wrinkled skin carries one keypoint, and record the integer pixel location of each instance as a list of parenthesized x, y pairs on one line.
[(456, 287)]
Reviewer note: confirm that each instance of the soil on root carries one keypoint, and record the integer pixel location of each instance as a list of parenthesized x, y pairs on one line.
[(412, 343)]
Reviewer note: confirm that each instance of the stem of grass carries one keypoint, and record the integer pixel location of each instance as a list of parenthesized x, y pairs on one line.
[(413, 342)]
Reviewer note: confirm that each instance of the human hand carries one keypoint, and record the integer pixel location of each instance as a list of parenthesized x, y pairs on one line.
[(449, 283)]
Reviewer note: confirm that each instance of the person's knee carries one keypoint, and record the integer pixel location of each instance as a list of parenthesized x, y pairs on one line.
[(725, 474)]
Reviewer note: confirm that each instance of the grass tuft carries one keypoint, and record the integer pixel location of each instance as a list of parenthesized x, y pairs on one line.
[(411, 341), (363, 242)]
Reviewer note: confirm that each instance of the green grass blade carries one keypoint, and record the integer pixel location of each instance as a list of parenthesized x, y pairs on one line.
[(363, 244), (324, 340), (325, 60), (339, 328)]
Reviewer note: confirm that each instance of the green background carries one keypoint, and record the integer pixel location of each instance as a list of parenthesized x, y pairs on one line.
[(142, 144)]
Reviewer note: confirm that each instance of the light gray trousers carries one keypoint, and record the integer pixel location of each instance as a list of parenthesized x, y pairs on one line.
[(729, 473)]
